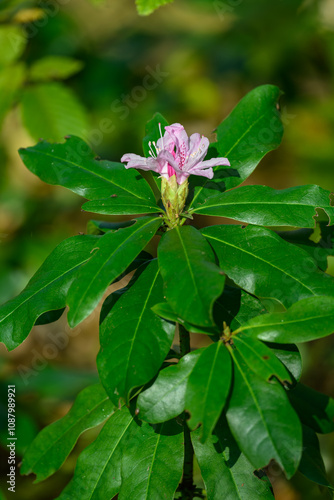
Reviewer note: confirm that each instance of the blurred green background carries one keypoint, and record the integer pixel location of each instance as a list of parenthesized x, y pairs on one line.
[(98, 70)]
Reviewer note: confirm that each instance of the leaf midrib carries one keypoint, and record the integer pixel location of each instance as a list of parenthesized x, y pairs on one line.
[(81, 167), (256, 403), (262, 260), (136, 329)]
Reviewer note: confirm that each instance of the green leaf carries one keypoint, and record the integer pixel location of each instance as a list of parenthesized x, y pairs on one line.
[(208, 388), (72, 164), (152, 131), (146, 7), (308, 319), (11, 80), (46, 291), (164, 310), (51, 111), (262, 420), (112, 255), (101, 227), (225, 469), (165, 398), (53, 444), (316, 410), (12, 43), (262, 205), (235, 307), (260, 359), (192, 279), (152, 463), (124, 205), (318, 242), (263, 264), (134, 341), (252, 129), (50, 317), (54, 67), (290, 356), (97, 475), (312, 465)]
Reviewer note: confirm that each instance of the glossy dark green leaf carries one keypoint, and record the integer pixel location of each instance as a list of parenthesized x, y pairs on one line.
[(235, 307), (52, 110), (164, 310), (260, 359), (308, 319), (263, 264), (262, 205), (165, 398), (123, 205), (134, 341), (192, 279), (290, 357), (54, 67), (152, 131), (316, 410), (225, 470), (312, 464), (98, 472), (100, 227), (72, 164), (152, 463), (252, 129), (318, 242), (53, 444), (262, 420), (111, 256), (208, 387), (46, 291), (49, 317)]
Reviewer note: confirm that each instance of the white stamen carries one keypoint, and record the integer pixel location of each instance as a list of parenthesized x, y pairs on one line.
[(162, 139), (152, 153)]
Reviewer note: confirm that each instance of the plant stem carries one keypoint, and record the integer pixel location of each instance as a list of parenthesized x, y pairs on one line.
[(187, 486)]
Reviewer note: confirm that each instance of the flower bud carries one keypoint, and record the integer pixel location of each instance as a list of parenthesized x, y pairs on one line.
[(173, 198)]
